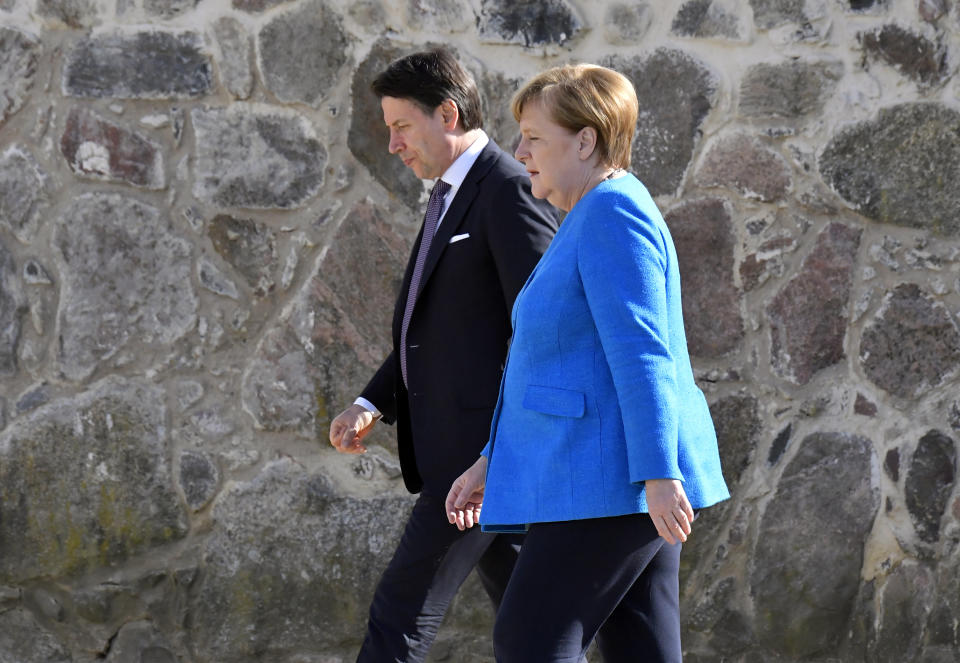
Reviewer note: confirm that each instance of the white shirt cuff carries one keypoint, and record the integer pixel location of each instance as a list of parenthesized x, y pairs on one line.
[(367, 405)]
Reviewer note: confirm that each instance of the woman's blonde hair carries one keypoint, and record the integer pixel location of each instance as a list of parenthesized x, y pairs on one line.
[(587, 95)]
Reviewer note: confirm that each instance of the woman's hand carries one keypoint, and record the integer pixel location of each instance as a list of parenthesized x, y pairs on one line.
[(466, 496), (669, 509)]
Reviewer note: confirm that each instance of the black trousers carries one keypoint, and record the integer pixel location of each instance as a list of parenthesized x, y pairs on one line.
[(613, 578), (432, 560)]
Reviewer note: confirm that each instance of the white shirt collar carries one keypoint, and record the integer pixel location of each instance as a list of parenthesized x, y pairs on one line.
[(457, 172)]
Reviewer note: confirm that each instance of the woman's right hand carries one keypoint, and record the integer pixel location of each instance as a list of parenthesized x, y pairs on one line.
[(466, 496)]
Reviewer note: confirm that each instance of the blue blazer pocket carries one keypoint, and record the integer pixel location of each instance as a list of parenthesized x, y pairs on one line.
[(555, 401)]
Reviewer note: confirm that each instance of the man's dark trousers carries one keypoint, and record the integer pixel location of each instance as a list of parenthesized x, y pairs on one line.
[(488, 241), (431, 562)]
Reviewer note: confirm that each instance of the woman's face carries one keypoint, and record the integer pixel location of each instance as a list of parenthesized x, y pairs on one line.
[(551, 156)]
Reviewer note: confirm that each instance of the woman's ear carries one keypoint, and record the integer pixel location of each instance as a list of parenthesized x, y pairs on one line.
[(586, 143)]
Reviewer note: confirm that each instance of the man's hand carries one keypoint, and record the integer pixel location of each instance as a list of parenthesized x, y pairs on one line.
[(466, 496), (349, 427), (669, 509)]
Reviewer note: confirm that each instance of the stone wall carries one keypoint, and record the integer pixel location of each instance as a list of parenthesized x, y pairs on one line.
[(201, 235)]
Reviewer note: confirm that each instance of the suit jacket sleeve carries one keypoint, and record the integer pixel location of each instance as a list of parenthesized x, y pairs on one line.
[(519, 229), (380, 390), (622, 259)]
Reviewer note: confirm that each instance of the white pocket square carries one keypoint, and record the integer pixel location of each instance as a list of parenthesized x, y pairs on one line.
[(457, 238)]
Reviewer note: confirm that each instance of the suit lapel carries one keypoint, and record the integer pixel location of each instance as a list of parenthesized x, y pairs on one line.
[(457, 212)]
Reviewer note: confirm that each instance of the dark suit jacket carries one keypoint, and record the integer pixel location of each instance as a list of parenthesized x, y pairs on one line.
[(460, 326)]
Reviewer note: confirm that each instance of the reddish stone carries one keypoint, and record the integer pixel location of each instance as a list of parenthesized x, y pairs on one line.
[(911, 54), (742, 163), (96, 148), (808, 317), (912, 345), (703, 235), (757, 267), (864, 406)]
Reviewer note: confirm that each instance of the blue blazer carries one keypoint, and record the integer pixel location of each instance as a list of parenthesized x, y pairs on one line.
[(598, 393)]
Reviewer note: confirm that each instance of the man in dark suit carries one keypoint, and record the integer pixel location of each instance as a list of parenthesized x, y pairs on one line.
[(482, 235)]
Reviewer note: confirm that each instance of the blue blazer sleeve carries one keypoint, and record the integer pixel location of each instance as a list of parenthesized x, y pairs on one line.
[(623, 262)]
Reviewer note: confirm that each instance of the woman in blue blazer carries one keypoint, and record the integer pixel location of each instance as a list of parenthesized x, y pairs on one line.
[(601, 446)]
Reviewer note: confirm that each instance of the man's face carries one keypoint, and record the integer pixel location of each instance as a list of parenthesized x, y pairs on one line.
[(416, 137)]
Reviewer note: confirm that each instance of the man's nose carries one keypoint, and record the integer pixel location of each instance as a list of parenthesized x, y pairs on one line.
[(395, 143)]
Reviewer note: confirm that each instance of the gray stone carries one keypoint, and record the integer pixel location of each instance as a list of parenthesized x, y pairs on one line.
[(72, 13), (210, 424), (301, 53), (912, 345), (368, 14), (317, 568), (705, 19), (440, 15), (703, 235), (496, 91), (211, 278), (668, 128), (942, 634), (779, 445), (335, 333), (98, 149), (23, 640), (257, 6), (188, 392), (168, 8), (142, 65), (44, 603), (368, 138), (773, 13), (895, 169), (742, 163), (911, 54), (85, 483), (35, 274), (33, 398), (716, 615), (13, 305), (19, 54), (528, 22), (252, 159), (905, 600), (199, 479), (23, 193), (236, 47), (806, 567), (929, 483), (250, 247), (627, 22), (931, 10), (140, 641), (809, 316), (738, 425), (126, 279), (790, 90)]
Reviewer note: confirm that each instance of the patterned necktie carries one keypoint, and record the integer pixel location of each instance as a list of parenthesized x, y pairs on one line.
[(430, 220)]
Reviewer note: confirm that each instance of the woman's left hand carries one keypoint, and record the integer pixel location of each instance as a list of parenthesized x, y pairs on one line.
[(465, 499), (669, 509)]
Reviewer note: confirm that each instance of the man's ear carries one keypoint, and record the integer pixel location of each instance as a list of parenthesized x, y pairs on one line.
[(587, 142), (450, 114)]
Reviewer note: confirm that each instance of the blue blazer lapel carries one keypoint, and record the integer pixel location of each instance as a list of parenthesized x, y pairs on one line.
[(461, 203)]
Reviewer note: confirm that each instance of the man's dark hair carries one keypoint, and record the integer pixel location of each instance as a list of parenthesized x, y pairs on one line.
[(429, 77)]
